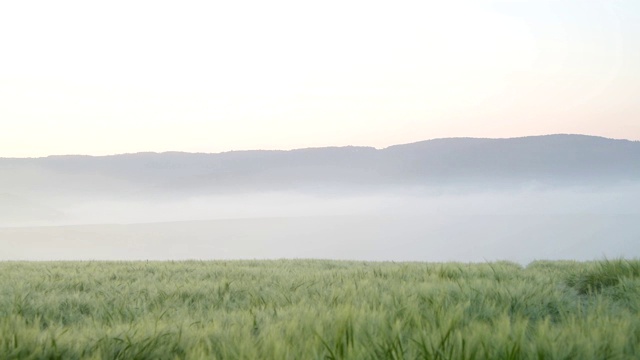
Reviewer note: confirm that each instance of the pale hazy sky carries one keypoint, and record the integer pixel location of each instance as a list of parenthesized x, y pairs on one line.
[(104, 77)]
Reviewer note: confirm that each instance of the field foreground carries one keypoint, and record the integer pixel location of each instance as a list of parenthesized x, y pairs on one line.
[(314, 309)]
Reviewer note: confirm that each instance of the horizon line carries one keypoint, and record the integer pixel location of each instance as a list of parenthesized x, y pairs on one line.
[(317, 147)]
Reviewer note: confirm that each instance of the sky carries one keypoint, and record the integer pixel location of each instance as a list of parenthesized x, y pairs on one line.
[(89, 77)]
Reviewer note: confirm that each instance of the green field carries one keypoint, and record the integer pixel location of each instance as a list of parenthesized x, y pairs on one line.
[(316, 309)]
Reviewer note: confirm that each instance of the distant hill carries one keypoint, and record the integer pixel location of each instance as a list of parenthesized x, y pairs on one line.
[(551, 159)]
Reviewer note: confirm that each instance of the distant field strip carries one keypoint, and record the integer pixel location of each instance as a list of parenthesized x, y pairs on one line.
[(317, 309), (519, 238)]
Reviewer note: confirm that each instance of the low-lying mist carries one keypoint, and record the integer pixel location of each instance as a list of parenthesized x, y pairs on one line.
[(421, 224)]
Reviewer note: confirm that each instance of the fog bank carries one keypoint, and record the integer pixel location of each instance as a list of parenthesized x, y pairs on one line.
[(445, 224), (540, 197)]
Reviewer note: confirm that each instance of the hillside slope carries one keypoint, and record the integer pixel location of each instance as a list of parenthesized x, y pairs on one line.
[(553, 159)]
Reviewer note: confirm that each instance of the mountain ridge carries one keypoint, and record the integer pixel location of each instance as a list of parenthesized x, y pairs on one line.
[(554, 159), (175, 152)]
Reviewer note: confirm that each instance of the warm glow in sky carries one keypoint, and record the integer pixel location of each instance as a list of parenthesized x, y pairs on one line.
[(87, 77)]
